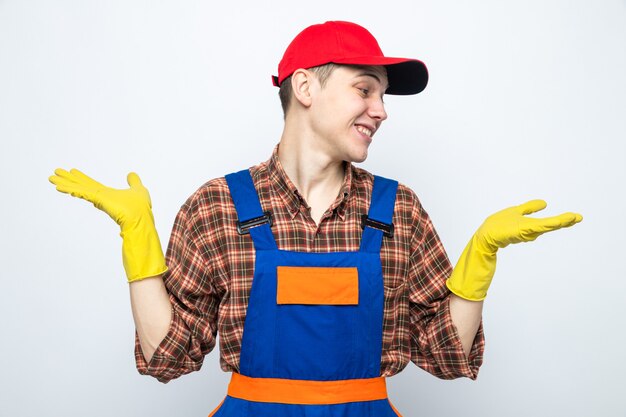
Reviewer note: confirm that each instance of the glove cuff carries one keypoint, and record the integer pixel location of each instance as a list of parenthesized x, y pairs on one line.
[(473, 272), (142, 254)]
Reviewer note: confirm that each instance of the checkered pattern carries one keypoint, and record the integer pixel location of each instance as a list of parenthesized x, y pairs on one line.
[(211, 268)]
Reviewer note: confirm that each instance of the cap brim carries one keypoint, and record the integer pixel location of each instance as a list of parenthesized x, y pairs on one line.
[(406, 76)]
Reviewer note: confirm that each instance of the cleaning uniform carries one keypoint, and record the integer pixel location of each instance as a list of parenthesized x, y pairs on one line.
[(211, 269), (312, 337)]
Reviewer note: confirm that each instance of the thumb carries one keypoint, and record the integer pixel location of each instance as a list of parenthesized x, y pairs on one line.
[(532, 206), (134, 180), (135, 184)]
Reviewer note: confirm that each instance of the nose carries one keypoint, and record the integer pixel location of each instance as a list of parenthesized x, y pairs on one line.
[(377, 109)]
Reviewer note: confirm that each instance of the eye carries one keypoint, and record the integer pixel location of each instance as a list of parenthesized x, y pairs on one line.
[(365, 91)]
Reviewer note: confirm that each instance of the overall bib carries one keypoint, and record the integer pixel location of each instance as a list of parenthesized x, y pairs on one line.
[(312, 339)]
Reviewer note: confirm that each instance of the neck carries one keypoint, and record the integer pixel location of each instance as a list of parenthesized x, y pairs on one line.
[(312, 170)]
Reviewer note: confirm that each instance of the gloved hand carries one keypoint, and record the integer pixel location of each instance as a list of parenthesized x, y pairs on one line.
[(472, 274), (131, 209)]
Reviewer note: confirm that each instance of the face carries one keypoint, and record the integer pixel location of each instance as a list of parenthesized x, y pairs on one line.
[(348, 110)]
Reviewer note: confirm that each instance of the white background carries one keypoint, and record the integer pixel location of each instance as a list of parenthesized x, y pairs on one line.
[(527, 99)]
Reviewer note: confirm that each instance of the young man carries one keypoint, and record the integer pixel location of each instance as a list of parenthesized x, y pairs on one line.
[(320, 278)]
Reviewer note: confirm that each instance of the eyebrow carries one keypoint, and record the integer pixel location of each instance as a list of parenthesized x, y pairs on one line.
[(373, 75)]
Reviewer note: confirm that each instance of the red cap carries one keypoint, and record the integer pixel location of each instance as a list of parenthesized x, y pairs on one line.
[(348, 43)]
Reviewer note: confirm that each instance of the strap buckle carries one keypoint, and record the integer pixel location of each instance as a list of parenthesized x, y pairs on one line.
[(387, 229), (243, 228)]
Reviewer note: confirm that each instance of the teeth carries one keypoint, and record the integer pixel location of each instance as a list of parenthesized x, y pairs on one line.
[(364, 130)]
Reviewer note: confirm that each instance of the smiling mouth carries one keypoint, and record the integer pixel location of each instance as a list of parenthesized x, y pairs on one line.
[(367, 132)]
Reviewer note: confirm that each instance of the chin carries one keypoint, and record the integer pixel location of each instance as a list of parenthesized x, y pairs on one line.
[(358, 158)]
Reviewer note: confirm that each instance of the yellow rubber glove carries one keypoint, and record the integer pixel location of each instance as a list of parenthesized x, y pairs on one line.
[(472, 274), (131, 209)]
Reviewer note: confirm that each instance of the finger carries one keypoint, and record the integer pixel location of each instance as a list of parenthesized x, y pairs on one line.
[(85, 179), (66, 183), (532, 206), (57, 180), (73, 190), (577, 218), (134, 180), (556, 222), (54, 179), (60, 173)]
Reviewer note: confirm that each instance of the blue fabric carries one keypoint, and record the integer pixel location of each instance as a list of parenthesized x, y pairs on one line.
[(381, 210), (321, 343), (312, 342), (242, 408), (248, 207)]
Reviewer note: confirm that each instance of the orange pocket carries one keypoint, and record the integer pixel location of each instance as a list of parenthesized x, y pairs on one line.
[(317, 285)]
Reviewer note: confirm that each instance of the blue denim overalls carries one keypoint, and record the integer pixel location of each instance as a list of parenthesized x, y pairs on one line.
[(306, 350)]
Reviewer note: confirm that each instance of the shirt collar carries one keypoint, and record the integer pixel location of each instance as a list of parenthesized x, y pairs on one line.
[(291, 196)]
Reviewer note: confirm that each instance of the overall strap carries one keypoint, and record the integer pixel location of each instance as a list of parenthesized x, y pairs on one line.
[(249, 212), (378, 221)]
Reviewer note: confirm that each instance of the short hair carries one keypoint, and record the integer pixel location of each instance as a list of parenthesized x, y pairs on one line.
[(322, 72)]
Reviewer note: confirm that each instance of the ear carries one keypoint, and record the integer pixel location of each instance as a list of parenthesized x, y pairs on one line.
[(302, 84)]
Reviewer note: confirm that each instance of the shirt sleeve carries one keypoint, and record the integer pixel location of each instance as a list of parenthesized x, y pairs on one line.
[(435, 343), (194, 298)]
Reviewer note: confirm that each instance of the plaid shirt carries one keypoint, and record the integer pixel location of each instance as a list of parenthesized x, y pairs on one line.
[(211, 269)]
